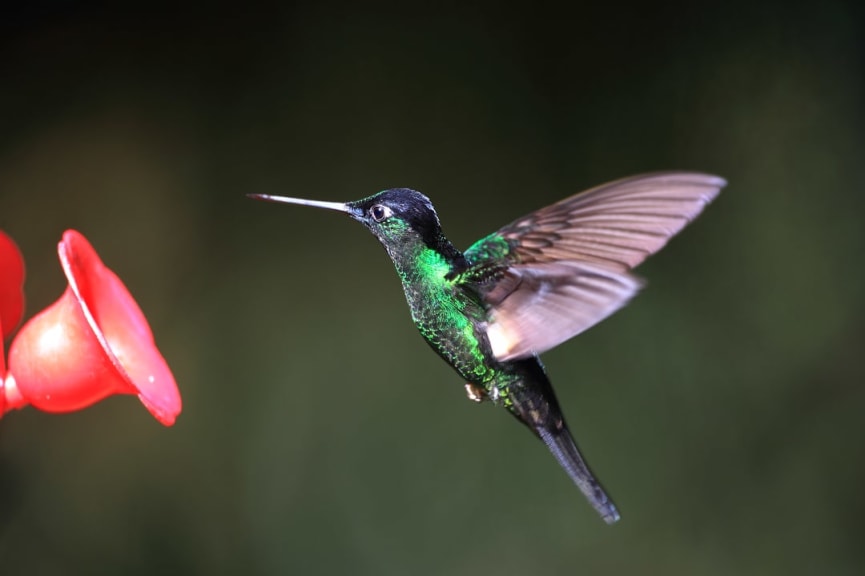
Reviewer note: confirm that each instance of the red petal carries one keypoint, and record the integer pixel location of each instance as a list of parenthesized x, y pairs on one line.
[(11, 284), (117, 320)]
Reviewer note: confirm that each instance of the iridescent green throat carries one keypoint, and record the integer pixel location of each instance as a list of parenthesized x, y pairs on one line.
[(447, 316)]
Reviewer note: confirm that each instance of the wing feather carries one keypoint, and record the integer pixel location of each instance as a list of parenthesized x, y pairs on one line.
[(548, 303), (566, 267)]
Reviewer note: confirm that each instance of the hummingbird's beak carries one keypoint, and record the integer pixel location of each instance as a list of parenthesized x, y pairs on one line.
[(338, 206)]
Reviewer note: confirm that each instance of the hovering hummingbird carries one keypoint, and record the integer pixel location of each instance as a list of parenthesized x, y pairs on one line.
[(540, 280)]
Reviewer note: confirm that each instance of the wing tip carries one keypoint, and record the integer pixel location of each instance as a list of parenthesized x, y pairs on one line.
[(694, 176)]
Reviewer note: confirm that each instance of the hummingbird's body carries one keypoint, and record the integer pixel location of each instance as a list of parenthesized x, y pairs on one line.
[(490, 311)]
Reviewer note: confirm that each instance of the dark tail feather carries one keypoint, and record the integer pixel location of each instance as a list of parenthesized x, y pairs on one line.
[(534, 403), (563, 447)]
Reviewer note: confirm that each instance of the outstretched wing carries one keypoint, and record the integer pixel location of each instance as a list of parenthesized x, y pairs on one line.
[(558, 271)]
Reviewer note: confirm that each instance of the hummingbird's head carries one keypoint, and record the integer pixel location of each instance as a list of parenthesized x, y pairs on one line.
[(399, 217)]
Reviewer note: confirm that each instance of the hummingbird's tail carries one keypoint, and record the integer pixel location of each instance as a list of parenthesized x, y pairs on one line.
[(531, 399), (563, 447)]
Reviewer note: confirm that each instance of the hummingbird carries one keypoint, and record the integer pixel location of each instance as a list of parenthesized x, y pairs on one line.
[(491, 310)]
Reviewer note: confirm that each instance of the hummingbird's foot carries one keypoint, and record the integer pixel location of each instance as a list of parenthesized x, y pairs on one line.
[(475, 393)]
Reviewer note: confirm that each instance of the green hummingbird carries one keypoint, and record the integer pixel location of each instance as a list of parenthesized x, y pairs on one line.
[(542, 279)]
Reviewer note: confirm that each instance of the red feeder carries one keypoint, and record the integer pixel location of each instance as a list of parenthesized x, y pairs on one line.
[(92, 343)]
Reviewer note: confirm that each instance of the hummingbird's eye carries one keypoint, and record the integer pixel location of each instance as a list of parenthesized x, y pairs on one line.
[(379, 212)]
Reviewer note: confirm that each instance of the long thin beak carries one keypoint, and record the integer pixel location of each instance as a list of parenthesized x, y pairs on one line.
[(338, 206)]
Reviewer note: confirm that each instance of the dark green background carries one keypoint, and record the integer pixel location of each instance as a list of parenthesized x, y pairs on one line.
[(722, 409)]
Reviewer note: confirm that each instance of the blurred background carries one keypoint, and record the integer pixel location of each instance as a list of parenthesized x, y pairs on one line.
[(320, 435)]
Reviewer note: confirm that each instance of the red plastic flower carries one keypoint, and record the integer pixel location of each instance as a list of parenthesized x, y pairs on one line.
[(92, 343)]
